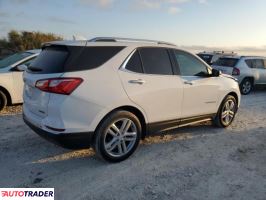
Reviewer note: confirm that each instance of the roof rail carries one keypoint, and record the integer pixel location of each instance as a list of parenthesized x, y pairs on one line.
[(116, 39), (224, 52)]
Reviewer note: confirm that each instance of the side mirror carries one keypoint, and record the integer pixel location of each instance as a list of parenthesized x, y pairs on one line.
[(20, 68), (216, 73)]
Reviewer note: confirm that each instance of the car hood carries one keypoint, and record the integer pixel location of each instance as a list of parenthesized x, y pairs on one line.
[(229, 76)]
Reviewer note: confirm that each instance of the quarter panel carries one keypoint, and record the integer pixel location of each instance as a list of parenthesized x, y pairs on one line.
[(100, 93), (6, 81)]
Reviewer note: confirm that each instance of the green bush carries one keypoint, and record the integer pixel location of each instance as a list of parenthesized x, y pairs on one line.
[(24, 40)]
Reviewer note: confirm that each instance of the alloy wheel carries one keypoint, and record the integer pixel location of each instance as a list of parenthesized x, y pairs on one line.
[(120, 137), (228, 112), (246, 87)]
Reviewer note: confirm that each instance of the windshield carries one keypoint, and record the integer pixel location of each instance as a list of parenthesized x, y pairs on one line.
[(227, 62), (13, 59), (206, 57)]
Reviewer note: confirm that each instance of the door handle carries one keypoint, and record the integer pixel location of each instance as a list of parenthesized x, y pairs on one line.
[(138, 81), (188, 83)]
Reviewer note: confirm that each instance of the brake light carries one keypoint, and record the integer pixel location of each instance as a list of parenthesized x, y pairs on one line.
[(63, 86), (236, 71)]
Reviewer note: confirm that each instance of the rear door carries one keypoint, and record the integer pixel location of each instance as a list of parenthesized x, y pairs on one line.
[(260, 70), (49, 64), (150, 82), (200, 91)]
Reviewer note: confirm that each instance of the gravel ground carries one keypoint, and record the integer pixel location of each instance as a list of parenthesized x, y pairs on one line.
[(11, 110), (196, 162)]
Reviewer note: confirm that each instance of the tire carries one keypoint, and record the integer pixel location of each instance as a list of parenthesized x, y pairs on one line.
[(246, 86), (3, 100), (226, 112), (110, 143)]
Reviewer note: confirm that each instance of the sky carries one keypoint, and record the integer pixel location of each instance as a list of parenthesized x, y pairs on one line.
[(228, 24)]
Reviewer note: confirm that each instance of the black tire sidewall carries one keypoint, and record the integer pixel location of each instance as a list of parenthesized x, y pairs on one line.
[(99, 138), (243, 82), (3, 100), (229, 97)]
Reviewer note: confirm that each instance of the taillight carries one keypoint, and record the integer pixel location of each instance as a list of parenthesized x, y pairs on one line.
[(236, 71), (59, 85)]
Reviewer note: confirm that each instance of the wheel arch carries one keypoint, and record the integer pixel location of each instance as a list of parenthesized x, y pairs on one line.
[(8, 96), (139, 114), (249, 77), (234, 94)]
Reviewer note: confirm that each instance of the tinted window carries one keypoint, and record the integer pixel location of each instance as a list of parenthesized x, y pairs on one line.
[(227, 62), (156, 61), (134, 64), (264, 63), (249, 63), (91, 57), (50, 60), (258, 63), (58, 59), (13, 59), (189, 65), (206, 57)]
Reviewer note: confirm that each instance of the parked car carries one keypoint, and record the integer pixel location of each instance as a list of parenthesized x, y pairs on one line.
[(111, 92), (248, 70), (212, 57), (11, 83)]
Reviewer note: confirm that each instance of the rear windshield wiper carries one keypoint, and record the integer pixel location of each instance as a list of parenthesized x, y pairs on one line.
[(35, 69)]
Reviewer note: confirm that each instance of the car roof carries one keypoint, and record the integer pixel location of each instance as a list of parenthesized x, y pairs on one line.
[(244, 57), (236, 57), (110, 41), (34, 51), (218, 53), (253, 57)]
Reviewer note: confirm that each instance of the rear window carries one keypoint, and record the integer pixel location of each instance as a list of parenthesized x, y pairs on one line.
[(50, 60), (58, 59), (206, 57), (227, 62)]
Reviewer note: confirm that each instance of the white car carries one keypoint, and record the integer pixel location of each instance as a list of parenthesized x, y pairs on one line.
[(11, 82), (248, 70), (111, 92)]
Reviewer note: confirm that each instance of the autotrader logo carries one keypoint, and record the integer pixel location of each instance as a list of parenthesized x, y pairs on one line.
[(26, 193)]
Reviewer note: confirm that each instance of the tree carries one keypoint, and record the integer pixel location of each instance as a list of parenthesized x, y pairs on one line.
[(25, 40)]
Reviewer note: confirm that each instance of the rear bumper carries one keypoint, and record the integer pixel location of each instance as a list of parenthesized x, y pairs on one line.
[(66, 140)]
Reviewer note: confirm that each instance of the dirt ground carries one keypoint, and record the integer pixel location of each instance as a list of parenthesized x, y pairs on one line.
[(196, 162)]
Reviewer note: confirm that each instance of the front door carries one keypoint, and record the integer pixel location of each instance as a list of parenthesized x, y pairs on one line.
[(200, 94), (18, 78)]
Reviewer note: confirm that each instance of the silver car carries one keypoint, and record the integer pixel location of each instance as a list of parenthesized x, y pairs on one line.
[(248, 70)]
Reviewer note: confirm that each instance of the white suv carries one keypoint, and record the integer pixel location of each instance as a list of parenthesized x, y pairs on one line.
[(11, 82), (249, 70), (111, 92)]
